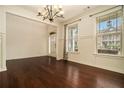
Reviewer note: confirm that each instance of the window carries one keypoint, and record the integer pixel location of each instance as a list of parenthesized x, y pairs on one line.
[(109, 31), (72, 38)]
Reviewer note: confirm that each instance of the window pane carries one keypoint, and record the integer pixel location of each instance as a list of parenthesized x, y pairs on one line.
[(119, 21), (103, 25), (70, 33), (112, 23), (76, 46), (70, 45)]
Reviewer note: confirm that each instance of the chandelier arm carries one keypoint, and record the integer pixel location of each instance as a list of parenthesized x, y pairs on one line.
[(55, 14), (47, 16), (59, 16), (48, 11), (51, 11)]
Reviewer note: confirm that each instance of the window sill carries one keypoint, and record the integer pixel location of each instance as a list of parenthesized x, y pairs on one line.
[(73, 52), (108, 55)]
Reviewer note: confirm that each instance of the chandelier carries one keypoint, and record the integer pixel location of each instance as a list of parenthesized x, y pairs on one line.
[(51, 12)]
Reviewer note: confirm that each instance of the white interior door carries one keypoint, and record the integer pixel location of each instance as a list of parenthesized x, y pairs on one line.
[(52, 45)]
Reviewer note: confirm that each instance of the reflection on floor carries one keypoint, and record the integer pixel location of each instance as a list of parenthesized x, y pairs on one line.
[(48, 72)]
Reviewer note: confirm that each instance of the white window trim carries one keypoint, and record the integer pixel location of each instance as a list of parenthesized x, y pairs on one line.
[(121, 55), (72, 52)]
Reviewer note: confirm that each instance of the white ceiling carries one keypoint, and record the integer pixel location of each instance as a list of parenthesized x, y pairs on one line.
[(69, 10)]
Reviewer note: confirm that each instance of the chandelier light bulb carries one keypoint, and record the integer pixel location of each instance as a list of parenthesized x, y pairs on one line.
[(60, 6), (44, 13), (55, 6), (61, 12)]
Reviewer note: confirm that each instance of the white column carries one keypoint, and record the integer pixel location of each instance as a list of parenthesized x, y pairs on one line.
[(123, 33), (59, 43), (2, 39)]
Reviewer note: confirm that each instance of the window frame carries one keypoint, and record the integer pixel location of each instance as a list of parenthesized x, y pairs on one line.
[(98, 33), (75, 24)]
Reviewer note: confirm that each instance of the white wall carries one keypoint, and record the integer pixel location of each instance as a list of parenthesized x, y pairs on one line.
[(51, 29), (25, 38), (87, 46)]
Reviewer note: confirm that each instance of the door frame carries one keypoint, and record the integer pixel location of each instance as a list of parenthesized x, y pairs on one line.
[(49, 44)]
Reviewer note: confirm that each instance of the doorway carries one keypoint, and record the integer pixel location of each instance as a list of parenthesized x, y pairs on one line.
[(52, 44)]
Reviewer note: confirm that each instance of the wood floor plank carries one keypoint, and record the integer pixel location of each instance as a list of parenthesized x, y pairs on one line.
[(41, 72)]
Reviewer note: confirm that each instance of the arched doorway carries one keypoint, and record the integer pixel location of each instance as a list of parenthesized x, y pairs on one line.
[(52, 44)]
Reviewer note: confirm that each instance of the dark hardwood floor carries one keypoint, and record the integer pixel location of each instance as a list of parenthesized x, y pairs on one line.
[(50, 73)]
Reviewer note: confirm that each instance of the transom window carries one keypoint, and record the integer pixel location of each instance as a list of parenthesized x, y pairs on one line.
[(72, 38), (109, 31)]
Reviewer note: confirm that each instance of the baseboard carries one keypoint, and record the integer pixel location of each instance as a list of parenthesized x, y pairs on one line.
[(63, 60), (120, 72), (3, 69), (27, 57), (51, 57), (59, 59)]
